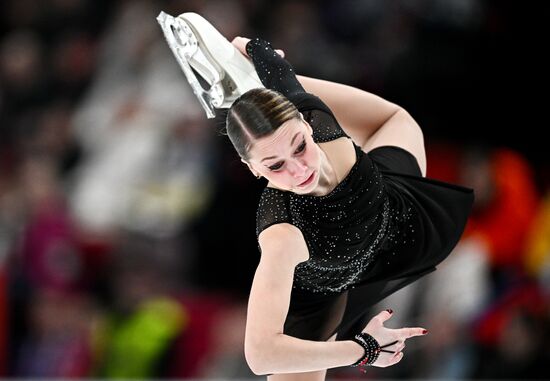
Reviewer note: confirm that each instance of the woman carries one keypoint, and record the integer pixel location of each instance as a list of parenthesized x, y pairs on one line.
[(346, 219)]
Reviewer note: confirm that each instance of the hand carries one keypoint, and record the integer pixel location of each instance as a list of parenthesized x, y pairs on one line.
[(240, 44), (384, 336)]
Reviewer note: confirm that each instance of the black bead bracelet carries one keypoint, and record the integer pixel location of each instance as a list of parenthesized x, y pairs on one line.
[(371, 347)]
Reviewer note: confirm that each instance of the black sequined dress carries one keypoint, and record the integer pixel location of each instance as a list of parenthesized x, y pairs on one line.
[(381, 228)]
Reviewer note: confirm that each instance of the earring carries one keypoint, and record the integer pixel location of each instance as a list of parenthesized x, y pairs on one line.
[(258, 176)]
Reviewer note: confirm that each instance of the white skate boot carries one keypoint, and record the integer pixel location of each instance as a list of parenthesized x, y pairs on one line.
[(198, 46)]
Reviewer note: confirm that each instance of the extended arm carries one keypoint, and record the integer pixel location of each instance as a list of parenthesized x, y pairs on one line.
[(267, 349)]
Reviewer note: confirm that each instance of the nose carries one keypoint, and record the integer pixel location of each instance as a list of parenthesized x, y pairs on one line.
[(298, 169)]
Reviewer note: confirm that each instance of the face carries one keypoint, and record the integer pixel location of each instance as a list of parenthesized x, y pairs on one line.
[(288, 158)]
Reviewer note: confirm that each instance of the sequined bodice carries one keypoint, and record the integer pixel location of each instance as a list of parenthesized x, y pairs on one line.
[(345, 229)]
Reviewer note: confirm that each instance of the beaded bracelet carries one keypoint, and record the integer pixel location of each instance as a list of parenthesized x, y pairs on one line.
[(372, 349)]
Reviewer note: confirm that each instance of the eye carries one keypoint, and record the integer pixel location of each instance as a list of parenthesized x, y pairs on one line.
[(275, 167), (301, 147)]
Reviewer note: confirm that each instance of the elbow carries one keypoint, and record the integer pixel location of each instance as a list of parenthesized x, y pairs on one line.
[(254, 364), (256, 358), (406, 115), (258, 371), (401, 111)]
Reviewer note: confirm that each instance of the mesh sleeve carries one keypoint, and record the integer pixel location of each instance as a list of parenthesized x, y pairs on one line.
[(277, 74), (274, 71), (319, 116), (273, 208)]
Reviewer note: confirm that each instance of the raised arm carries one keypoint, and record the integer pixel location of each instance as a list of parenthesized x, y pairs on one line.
[(359, 112), (274, 71), (369, 120), (267, 349)]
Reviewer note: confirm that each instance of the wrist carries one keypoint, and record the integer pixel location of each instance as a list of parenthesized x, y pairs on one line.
[(370, 346), (356, 351), (256, 42), (250, 46)]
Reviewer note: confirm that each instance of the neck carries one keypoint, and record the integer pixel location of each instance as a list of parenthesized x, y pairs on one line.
[(328, 178)]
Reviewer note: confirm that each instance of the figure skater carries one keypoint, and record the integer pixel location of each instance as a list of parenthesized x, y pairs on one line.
[(347, 217)]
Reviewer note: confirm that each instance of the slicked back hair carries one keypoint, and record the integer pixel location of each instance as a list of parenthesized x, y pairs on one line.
[(255, 114)]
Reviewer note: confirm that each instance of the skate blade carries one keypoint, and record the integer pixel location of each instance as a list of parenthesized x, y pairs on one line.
[(184, 45)]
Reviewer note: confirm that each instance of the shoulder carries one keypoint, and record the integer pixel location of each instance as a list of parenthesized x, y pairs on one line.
[(341, 149), (284, 240), (273, 208), (271, 200), (271, 193)]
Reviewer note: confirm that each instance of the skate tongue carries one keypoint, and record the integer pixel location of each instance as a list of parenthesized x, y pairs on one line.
[(181, 41)]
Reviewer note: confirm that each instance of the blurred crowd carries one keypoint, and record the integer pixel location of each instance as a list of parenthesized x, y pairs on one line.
[(127, 222)]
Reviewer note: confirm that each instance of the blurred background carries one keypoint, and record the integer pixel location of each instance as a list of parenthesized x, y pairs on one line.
[(127, 222)]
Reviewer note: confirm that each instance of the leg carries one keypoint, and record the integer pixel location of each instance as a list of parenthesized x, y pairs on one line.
[(400, 131), (199, 47), (318, 375)]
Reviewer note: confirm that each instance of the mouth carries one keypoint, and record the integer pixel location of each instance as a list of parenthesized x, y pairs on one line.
[(308, 180)]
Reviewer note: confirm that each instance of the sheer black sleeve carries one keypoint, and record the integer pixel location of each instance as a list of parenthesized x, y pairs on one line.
[(273, 208), (277, 74), (274, 71)]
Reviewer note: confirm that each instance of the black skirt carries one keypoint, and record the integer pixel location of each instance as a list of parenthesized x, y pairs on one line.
[(443, 210)]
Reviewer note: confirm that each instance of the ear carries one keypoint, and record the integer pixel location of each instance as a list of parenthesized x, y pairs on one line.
[(309, 128), (250, 168)]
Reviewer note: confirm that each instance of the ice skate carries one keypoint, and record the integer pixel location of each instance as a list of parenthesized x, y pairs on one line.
[(200, 48)]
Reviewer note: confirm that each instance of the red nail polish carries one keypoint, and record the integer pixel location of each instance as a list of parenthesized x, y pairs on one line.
[(390, 310), (424, 331)]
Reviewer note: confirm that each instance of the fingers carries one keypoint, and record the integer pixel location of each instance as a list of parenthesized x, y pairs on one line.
[(240, 44), (394, 348), (396, 358), (384, 315), (240, 39), (405, 333), (400, 347), (392, 360)]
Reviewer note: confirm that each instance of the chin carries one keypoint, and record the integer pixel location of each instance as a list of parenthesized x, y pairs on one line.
[(303, 190)]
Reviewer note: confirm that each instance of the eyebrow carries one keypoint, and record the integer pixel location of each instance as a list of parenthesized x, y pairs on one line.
[(291, 143)]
